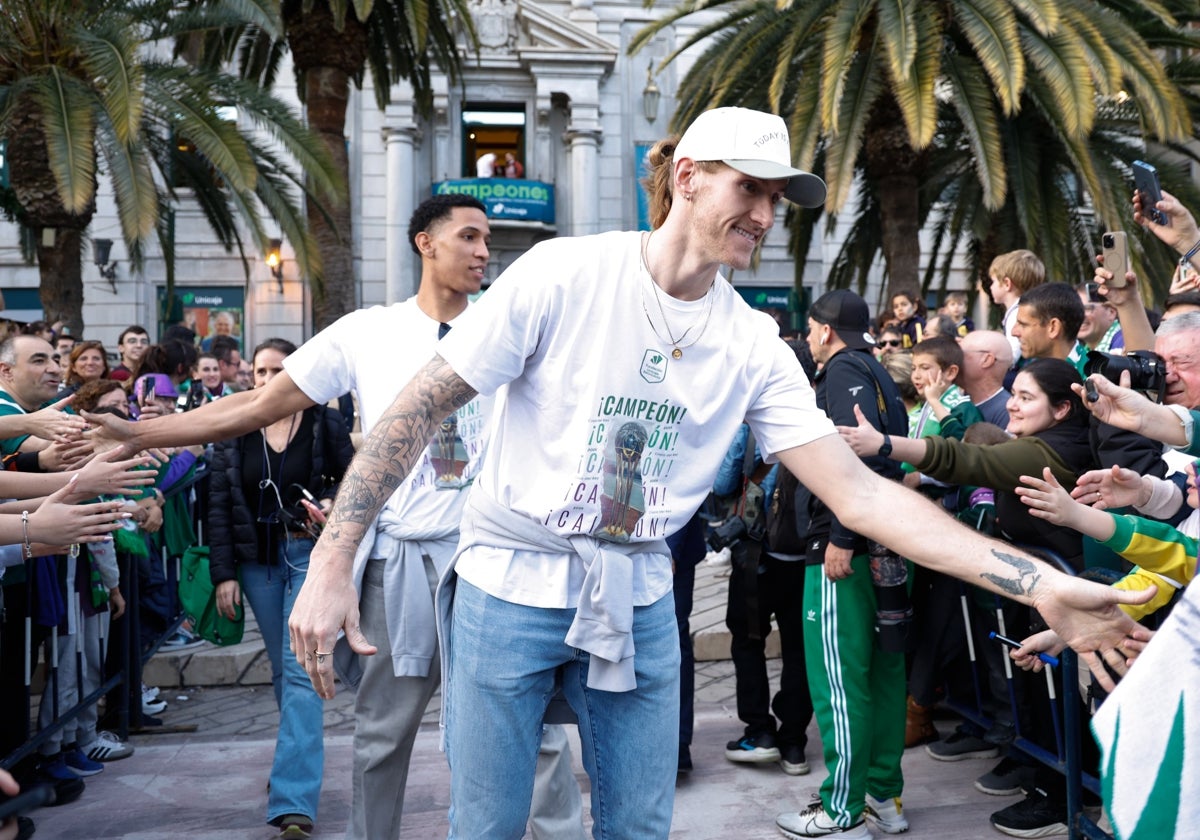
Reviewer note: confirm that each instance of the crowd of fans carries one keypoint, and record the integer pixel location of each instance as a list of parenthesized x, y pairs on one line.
[(1000, 434), (69, 584)]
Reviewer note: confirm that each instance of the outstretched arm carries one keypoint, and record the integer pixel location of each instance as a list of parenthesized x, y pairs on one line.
[(1085, 614), (1047, 499), (1124, 408), (328, 600), (222, 419)]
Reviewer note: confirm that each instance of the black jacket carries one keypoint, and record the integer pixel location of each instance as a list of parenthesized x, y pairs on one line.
[(850, 378), (232, 525)]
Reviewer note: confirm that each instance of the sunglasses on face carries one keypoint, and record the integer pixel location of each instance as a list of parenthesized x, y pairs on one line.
[(888, 343)]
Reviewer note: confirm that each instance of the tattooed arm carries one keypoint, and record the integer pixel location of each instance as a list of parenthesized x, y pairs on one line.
[(328, 600), (1084, 614)]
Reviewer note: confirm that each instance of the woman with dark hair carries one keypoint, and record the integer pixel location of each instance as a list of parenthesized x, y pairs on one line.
[(1049, 426), (262, 525), (87, 363), (173, 357)]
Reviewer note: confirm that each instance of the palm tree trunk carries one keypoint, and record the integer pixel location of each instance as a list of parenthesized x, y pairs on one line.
[(62, 278), (891, 162), (59, 232), (327, 94), (326, 59)]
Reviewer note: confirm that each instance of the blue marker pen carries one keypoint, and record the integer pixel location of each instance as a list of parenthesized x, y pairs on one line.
[(1012, 643)]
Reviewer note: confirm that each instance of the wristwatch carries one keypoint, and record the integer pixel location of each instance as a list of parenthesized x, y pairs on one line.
[(886, 449)]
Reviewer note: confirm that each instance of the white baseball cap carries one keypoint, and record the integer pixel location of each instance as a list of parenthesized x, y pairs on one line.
[(753, 142)]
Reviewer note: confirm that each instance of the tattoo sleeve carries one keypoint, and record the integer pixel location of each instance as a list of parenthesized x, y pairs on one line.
[(394, 445), (1025, 580)]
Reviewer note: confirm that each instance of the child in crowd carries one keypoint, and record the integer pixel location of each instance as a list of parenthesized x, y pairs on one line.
[(908, 312), (1011, 275), (956, 308)]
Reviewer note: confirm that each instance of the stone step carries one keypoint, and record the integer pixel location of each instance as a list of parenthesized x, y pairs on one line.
[(247, 663)]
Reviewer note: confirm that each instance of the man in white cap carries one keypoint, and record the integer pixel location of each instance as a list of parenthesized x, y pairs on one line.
[(622, 363)]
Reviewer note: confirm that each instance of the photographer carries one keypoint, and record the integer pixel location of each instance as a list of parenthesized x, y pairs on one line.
[(858, 688), (1177, 342)]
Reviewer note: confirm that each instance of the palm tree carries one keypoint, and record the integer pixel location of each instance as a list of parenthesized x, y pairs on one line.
[(879, 93), (334, 43), (80, 75)]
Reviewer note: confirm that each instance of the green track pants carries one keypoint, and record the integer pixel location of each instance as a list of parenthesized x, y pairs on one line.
[(858, 692)]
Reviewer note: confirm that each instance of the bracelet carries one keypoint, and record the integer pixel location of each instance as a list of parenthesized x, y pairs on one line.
[(1187, 258), (25, 533)]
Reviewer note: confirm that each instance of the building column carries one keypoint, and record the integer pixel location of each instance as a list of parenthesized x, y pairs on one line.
[(584, 147), (401, 280)]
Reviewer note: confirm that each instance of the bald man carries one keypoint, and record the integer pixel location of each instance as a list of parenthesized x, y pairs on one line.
[(987, 356)]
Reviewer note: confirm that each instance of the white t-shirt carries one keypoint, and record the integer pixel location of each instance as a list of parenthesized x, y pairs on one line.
[(374, 353), (600, 431)]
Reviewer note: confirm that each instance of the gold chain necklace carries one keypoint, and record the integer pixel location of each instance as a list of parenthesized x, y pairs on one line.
[(677, 351)]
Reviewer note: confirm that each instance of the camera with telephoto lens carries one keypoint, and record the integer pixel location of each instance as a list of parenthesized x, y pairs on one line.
[(1147, 370), (728, 534)]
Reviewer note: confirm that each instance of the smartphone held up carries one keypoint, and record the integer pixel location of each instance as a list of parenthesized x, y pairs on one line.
[(1115, 247), (1145, 180)]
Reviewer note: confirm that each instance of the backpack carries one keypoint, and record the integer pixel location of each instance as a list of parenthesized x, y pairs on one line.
[(787, 521)]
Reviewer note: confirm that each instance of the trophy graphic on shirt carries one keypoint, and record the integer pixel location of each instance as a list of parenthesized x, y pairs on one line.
[(630, 441), (446, 446)]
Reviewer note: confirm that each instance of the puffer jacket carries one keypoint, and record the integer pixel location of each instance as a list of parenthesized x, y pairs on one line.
[(232, 524)]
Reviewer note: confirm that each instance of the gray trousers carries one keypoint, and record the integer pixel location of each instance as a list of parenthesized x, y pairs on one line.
[(388, 711)]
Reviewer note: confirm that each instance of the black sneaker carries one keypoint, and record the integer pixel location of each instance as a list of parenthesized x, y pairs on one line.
[(1007, 778), (753, 749), (1037, 815), (791, 759), (961, 745)]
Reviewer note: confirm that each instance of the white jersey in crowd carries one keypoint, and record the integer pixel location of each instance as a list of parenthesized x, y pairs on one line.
[(601, 431)]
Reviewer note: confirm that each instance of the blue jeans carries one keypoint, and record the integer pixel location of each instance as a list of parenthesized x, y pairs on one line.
[(504, 662), (271, 590)]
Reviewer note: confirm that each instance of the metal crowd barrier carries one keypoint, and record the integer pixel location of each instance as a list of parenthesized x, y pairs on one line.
[(1066, 719), (131, 659)]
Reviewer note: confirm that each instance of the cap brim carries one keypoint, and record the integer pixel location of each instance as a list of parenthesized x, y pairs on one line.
[(856, 340), (803, 188)]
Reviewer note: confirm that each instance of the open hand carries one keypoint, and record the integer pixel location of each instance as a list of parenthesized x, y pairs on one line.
[(112, 474), (1112, 488), (864, 438), (57, 521), (1046, 498), (52, 422), (1087, 617)]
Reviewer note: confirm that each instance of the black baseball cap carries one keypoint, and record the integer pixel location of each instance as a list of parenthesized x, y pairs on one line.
[(847, 314)]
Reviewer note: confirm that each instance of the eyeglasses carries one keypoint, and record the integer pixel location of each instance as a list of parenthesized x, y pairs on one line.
[(889, 343)]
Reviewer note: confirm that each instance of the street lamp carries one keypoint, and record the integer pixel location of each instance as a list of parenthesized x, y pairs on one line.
[(101, 250), (650, 95), (275, 261)]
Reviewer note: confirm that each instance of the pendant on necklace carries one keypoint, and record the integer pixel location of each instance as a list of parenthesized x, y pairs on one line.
[(676, 353)]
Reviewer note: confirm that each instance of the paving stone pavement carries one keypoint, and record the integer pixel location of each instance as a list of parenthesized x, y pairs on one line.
[(211, 783)]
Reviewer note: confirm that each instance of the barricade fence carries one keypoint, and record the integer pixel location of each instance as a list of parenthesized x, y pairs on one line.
[(1063, 693), (122, 662)]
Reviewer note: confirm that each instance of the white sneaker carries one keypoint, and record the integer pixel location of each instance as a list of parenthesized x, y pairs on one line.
[(107, 747), (886, 814), (719, 558), (814, 822)]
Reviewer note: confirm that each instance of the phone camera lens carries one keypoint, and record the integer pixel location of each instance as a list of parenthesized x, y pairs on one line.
[(1107, 240)]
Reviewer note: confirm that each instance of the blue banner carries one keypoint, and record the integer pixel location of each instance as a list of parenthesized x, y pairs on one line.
[(516, 199)]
